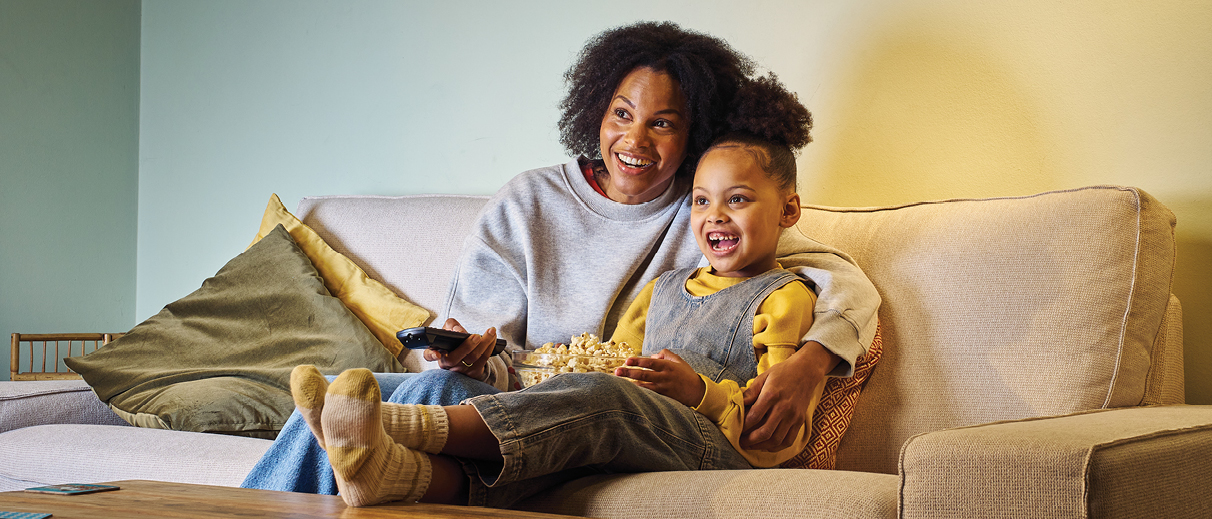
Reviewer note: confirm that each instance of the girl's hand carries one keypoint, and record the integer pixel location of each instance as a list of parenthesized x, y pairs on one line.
[(470, 357), (666, 374)]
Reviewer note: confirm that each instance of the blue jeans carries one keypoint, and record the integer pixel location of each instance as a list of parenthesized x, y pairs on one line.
[(296, 463), (578, 424)]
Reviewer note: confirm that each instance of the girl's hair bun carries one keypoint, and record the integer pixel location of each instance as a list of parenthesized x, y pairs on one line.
[(764, 108)]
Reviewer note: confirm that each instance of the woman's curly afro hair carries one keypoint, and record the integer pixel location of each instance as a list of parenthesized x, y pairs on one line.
[(708, 69)]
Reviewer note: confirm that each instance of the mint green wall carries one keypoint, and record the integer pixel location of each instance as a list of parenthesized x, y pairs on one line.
[(69, 104)]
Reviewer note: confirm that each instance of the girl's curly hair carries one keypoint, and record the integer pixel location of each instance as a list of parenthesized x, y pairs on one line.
[(708, 69), (769, 121)]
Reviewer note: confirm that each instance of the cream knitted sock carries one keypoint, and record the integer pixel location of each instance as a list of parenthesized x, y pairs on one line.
[(369, 467), (418, 427), (307, 386)]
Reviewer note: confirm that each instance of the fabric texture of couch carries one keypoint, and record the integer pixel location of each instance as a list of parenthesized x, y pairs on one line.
[(1032, 367)]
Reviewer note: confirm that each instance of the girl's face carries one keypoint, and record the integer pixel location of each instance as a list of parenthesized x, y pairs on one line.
[(643, 136), (738, 212)]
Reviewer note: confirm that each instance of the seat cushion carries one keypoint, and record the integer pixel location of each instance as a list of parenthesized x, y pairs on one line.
[(53, 454), (767, 493)]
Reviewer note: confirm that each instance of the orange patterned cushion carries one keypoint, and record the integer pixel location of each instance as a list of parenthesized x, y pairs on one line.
[(833, 413)]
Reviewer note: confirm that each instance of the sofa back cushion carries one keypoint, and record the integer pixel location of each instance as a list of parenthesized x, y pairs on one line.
[(408, 243), (1006, 308)]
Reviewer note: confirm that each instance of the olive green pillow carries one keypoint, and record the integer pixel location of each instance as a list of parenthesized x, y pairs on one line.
[(219, 359)]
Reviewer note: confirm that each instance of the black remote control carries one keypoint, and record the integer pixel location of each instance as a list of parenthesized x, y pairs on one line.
[(423, 337)]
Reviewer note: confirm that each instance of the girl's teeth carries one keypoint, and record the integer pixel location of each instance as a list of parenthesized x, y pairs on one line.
[(722, 241)]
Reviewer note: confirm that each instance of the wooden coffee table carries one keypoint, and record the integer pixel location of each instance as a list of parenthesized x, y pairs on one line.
[(148, 499)]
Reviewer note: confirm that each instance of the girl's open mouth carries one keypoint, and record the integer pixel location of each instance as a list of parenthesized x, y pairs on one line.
[(722, 241)]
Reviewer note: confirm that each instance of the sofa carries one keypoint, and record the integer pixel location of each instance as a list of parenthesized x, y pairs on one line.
[(1032, 367)]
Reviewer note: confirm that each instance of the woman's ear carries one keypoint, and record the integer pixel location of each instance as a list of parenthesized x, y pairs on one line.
[(791, 211)]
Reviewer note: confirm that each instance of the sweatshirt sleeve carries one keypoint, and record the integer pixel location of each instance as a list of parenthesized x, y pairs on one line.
[(847, 302)]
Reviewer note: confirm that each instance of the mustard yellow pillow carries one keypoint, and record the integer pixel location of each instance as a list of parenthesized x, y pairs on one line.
[(380, 309)]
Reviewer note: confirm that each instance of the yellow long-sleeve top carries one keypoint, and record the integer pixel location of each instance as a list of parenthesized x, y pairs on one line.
[(781, 320)]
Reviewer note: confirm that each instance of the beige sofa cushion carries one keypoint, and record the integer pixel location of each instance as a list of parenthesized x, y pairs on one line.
[(1003, 308), (765, 493), (411, 248)]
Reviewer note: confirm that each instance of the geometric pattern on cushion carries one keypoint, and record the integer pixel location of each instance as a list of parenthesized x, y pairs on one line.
[(834, 412)]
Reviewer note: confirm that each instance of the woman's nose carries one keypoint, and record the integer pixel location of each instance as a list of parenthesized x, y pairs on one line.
[(637, 135)]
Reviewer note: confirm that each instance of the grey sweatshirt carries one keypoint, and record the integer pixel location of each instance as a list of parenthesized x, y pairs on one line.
[(550, 258)]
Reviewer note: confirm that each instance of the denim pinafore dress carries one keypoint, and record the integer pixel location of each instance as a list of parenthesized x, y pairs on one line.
[(713, 333)]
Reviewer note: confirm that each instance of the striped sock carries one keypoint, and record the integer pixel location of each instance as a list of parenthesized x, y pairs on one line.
[(369, 467), (417, 427), (307, 386)]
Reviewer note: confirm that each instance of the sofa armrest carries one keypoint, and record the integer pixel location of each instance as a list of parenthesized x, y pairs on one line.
[(1128, 462), (42, 402)]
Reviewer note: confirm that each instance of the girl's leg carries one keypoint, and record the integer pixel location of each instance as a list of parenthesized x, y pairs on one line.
[(297, 463), (370, 467), (578, 424)]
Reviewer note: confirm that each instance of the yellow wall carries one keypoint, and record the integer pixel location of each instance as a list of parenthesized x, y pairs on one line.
[(937, 99)]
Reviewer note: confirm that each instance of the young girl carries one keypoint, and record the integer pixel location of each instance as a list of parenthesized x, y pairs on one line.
[(708, 331), (692, 322)]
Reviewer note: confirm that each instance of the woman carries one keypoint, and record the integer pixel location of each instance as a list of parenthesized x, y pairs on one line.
[(646, 100)]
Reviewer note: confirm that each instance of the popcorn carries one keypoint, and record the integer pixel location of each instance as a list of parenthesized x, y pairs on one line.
[(584, 353)]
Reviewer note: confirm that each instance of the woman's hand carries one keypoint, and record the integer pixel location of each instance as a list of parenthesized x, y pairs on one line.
[(778, 399), (666, 374), (469, 358)]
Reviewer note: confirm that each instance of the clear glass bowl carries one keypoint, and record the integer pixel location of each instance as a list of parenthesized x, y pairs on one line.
[(534, 368)]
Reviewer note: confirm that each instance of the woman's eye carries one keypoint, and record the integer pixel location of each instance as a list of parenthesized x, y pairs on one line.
[(663, 124), (620, 113)]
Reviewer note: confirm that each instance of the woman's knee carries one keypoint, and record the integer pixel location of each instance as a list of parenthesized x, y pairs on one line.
[(438, 387)]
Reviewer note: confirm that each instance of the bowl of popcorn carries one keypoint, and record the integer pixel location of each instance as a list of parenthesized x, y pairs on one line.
[(585, 353)]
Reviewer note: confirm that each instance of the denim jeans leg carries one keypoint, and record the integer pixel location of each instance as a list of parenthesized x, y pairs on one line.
[(581, 423)]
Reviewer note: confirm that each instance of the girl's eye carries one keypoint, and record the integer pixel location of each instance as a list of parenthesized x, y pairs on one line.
[(736, 199), (700, 201)]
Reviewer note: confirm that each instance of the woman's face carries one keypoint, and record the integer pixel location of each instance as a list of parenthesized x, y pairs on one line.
[(643, 135)]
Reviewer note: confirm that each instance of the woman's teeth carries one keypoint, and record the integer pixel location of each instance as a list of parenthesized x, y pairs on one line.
[(633, 162)]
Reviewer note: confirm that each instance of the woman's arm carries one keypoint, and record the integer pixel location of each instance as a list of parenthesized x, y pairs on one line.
[(779, 399), (486, 293), (844, 325)]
